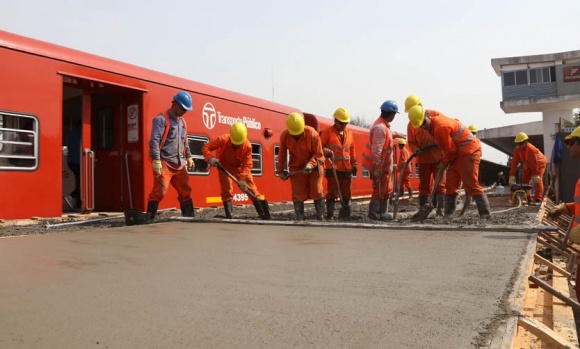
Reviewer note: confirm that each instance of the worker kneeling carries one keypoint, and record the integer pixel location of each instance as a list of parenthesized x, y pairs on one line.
[(232, 155)]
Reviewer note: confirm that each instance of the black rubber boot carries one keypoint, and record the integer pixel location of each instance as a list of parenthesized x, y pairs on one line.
[(228, 209), (344, 211), (266, 209), (152, 210), (330, 208), (299, 210), (440, 205), (259, 209), (410, 192), (319, 208), (482, 206), (450, 205), (374, 207), (423, 200), (187, 209), (383, 210)]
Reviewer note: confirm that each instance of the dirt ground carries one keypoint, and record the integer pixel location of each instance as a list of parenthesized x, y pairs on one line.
[(503, 213)]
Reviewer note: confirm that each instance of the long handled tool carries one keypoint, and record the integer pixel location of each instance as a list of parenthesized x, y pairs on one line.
[(405, 165), (331, 160), (426, 209)]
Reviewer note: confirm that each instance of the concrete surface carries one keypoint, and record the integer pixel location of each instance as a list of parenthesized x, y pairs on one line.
[(211, 285)]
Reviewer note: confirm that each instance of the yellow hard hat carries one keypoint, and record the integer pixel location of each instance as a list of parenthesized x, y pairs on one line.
[(341, 115), (402, 141), (238, 133), (472, 128), (417, 116), (520, 137), (575, 133), (411, 101), (295, 123)]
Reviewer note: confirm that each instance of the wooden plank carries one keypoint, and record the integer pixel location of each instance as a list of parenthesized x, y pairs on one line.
[(551, 265), (544, 333), (563, 318), (555, 292)]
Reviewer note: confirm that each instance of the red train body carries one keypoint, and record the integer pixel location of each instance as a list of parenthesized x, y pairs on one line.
[(47, 88)]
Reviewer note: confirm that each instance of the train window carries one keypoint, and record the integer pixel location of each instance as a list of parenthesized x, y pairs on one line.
[(256, 159), (105, 132), (276, 150), (18, 141), (411, 173), (416, 170), (195, 144), (366, 173)]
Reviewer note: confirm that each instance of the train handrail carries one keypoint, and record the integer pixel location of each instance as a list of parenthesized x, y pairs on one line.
[(89, 155)]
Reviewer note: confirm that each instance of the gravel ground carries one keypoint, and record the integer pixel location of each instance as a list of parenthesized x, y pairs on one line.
[(503, 214)]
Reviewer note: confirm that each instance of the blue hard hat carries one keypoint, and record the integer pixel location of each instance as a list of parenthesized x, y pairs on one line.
[(183, 99), (390, 106)]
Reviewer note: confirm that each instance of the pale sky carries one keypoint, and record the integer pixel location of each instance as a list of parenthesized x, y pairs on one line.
[(319, 55)]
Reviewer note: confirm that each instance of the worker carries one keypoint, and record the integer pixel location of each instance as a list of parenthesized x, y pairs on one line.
[(573, 144), (534, 166), (461, 157), (429, 159), (338, 146), (303, 144), (171, 156), (378, 160), (473, 129), (233, 152), (403, 157)]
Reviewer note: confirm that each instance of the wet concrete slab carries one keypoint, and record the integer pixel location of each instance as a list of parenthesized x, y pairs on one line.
[(215, 285)]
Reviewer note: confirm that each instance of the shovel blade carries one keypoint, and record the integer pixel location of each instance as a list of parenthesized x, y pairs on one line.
[(423, 213), (135, 217)]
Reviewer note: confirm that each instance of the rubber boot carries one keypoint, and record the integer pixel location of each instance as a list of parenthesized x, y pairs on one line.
[(266, 210), (410, 192), (330, 208), (423, 200), (344, 211), (187, 209), (482, 206), (374, 206), (259, 209), (152, 210), (299, 210), (450, 205), (319, 208), (383, 210), (228, 208), (440, 205)]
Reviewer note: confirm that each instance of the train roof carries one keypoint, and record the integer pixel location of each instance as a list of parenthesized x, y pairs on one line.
[(65, 54)]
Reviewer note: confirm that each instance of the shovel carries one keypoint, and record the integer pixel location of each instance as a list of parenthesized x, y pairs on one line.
[(405, 165), (426, 209), (465, 204), (342, 203)]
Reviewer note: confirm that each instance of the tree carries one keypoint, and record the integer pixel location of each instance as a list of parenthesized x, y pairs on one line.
[(360, 121), (575, 122)]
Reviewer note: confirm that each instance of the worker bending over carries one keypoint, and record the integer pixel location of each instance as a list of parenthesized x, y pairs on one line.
[(403, 157), (534, 166)]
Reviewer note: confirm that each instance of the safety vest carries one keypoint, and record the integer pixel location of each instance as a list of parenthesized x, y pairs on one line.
[(341, 148), (167, 126), (462, 140), (386, 158)]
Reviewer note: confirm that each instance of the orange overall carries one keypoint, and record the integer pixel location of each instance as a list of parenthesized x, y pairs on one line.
[(343, 149), (428, 160), (461, 151), (378, 155), (534, 164), (304, 149), (236, 160)]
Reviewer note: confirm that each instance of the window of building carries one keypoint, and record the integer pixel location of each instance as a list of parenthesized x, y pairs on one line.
[(18, 141), (542, 75), (509, 78), (195, 145), (521, 77), (256, 159), (518, 77)]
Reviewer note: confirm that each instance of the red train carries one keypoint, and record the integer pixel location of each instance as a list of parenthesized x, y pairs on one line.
[(47, 89)]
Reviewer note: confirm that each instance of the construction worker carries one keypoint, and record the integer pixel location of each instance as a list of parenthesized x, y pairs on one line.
[(473, 130), (403, 157), (378, 160), (461, 157), (573, 144), (534, 166), (429, 159), (233, 152), (171, 156), (303, 144), (338, 147)]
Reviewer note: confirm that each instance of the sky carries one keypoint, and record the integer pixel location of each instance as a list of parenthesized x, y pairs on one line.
[(318, 55)]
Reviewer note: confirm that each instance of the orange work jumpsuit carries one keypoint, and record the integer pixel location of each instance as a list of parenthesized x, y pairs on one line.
[(403, 157), (534, 164), (342, 146), (428, 160), (461, 151), (304, 149), (574, 208), (237, 161), (378, 155)]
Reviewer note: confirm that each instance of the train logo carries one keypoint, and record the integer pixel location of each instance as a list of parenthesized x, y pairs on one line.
[(209, 116)]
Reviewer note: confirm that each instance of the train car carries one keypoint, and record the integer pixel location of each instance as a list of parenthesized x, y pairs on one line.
[(48, 89)]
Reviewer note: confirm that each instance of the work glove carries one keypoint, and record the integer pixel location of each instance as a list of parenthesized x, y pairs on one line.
[(354, 170), (190, 164), (283, 175), (213, 161), (156, 164), (377, 174), (243, 185), (536, 179), (575, 234), (558, 210), (512, 180), (308, 169), (328, 153)]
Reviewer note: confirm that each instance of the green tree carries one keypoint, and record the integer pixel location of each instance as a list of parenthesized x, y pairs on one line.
[(575, 122), (360, 121)]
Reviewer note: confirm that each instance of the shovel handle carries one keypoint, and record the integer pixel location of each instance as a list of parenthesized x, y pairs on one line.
[(249, 192)]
